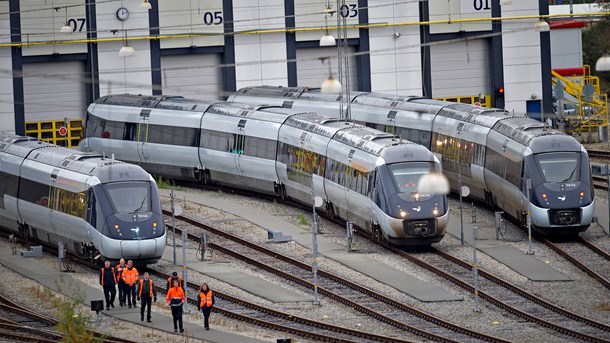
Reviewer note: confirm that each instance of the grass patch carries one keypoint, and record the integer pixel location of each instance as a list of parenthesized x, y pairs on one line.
[(166, 184), (603, 307), (302, 219)]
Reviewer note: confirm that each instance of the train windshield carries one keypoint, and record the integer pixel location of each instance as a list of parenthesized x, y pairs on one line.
[(559, 166), (129, 197), (406, 175)]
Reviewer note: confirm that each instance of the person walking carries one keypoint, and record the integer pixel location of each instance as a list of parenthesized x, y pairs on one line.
[(121, 284), (130, 277), (170, 281), (108, 282), (205, 299), (175, 298), (146, 293)]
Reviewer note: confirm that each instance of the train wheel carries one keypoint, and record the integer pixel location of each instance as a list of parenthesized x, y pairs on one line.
[(378, 234)]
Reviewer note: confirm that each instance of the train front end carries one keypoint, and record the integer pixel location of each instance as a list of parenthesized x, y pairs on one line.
[(562, 198), (411, 216), (132, 221)]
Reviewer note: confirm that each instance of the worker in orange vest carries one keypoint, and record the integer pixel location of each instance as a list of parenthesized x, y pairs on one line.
[(170, 280), (130, 277), (205, 301), (119, 276), (146, 292), (108, 281), (175, 298)]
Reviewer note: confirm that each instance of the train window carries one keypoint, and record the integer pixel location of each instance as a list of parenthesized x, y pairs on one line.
[(34, 192), (494, 162), (239, 142), (216, 140), (406, 175), (129, 197), (71, 203), (8, 185), (559, 166), (260, 147), (130, 132), (513, 172)]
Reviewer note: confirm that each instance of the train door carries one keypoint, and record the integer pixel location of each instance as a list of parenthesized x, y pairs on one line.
[(142, 136), (239, 144)]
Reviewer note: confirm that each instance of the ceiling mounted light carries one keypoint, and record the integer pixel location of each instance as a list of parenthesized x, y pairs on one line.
[(66, 28), (542, 26), (603, 63), (145, 5), (126, 51), (329, 10), (331, 85), (328, 40)]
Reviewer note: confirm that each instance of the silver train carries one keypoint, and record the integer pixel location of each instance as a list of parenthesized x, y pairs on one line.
[(96, 206), (489, 150), (364, 175)]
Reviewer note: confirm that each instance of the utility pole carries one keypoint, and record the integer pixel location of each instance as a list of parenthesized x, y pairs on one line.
[(343, 60)]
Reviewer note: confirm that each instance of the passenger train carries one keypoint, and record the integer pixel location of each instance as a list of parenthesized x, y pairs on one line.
[(489, 150), (365, 176), (95, 205)]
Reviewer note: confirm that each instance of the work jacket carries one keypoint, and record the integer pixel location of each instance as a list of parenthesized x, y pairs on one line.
[(175, 296), (130, 276), (146, 288), (118, 270), (107, 277), (205, 299)]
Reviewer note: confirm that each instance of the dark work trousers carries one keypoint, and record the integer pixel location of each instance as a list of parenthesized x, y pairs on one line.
[(206, 316), (130, 294), (177, 316), (145, 301), (109, 294), (121, 293)]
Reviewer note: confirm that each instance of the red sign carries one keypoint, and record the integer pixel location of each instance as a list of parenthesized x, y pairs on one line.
[(63, 131), (477, 104)]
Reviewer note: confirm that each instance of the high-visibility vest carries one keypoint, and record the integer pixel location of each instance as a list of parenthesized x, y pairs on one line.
[(113, 275), (206, 299), (130, 276), (177, 295), (151, 287), (170, 281), (118, 270)]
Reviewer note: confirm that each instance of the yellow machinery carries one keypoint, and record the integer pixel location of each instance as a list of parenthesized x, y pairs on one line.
[(585, 107), (66, 133), (483, 101)]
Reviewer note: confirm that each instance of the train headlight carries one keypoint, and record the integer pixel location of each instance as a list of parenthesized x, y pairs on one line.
[(403, 214), (416, 196), (582, 194), (435, 212), (544, 195), (155, 224), (116, 226)]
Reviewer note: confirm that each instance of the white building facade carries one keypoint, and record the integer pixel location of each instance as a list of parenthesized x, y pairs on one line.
[(208, 49)]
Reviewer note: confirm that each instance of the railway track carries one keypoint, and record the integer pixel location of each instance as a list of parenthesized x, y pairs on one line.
[(599, 154), (517, 301), (586, 256), (407, 318), (19, 324), (600, 182)]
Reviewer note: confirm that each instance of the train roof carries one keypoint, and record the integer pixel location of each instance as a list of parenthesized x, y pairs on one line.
[(155, 101), (68, 159)]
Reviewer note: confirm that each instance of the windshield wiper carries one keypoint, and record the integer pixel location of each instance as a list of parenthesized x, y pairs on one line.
[(570, 177), (142, 204)]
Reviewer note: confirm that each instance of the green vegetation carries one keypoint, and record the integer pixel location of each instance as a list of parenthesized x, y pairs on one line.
[(302, 219), (166, 184)]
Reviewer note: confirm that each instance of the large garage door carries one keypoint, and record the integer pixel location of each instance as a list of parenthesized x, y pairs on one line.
[(312, 73), (54, 91), (460, 69), (192, 76)]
